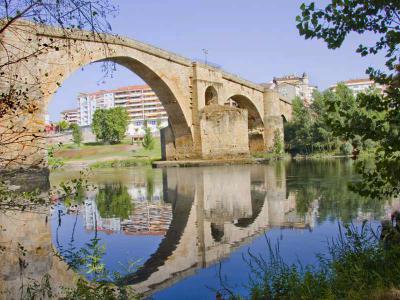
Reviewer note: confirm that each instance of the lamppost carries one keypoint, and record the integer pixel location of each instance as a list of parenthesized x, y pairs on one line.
[(205, 51)]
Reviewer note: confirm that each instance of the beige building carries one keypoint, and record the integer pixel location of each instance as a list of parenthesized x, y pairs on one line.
[(360, 85), (70, 115), (292, 86)]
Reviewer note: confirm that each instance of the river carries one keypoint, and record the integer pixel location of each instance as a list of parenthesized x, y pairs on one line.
[(183, 233)]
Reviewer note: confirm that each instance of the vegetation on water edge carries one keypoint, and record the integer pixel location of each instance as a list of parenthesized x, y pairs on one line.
[(122, 163), (270, 156), (361, 264)]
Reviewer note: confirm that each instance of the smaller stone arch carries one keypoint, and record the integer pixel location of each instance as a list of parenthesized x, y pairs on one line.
[(255, 121), (211, 96)]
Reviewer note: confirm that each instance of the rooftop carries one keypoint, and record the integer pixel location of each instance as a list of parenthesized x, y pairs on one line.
[(353, 82), (358, 81), (75, 110), (121, 89), (290, 77)]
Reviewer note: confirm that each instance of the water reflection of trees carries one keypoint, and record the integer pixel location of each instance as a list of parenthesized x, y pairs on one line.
[(113, 200), (329, 182)]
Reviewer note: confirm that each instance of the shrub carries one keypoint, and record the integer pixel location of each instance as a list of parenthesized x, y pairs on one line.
[(346, 148), (357, 142), (148, 140), (76, 134), (369, 144), (278, 147)]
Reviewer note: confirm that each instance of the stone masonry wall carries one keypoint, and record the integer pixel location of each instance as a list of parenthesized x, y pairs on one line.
[(224, 132)]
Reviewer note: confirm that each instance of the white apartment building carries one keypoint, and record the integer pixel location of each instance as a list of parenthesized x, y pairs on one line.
[(89, 102), (86, 107), (360, 85), (141, 103), (71, 116)]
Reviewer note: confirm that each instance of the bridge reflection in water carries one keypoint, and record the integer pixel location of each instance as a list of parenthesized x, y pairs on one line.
[(214, 211)]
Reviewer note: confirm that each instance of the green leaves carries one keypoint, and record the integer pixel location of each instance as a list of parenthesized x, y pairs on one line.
[(148, 140), (76, 134), (333, 23), (109, 125)]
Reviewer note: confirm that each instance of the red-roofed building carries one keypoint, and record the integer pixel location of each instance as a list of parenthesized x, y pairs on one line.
[(360, 85)]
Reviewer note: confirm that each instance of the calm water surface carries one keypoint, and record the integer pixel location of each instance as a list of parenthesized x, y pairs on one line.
[(171, 232)]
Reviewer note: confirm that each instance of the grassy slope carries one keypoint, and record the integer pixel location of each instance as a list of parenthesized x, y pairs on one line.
[(95, 152)]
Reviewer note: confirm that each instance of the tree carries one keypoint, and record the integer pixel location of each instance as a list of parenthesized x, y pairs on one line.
[(63, 125), (323, 138), (278, 147), (76, 134), (377, 117), (110, 125), (298, 132), (19, 99), (342, 17), (148, 140)]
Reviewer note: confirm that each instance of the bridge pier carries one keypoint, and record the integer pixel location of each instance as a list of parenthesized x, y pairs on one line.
[(272, 118)]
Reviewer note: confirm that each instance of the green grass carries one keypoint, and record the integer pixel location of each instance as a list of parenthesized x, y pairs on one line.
[(107, 153), (155, 153)]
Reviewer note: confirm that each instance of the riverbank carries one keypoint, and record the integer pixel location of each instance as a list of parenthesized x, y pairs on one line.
[(97, 155)]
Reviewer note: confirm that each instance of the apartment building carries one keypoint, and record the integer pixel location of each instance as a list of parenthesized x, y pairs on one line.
[(360, 85), (141, 103), (89, 102), (71, 116)]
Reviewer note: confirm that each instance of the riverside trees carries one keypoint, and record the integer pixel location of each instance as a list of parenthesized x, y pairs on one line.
[(312, 127), (377, 117), (109, 125)]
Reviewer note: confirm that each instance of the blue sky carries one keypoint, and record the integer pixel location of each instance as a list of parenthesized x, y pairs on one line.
[(255, 39)]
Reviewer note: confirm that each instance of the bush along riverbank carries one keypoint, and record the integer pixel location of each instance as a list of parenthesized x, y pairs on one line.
[(361, 264)]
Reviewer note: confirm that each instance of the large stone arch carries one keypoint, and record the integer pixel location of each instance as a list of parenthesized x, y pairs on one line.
[(168, 74), (177, 119), (160, 74)]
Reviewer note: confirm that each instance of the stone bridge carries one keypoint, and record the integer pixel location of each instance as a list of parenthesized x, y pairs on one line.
[(195, 95)]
